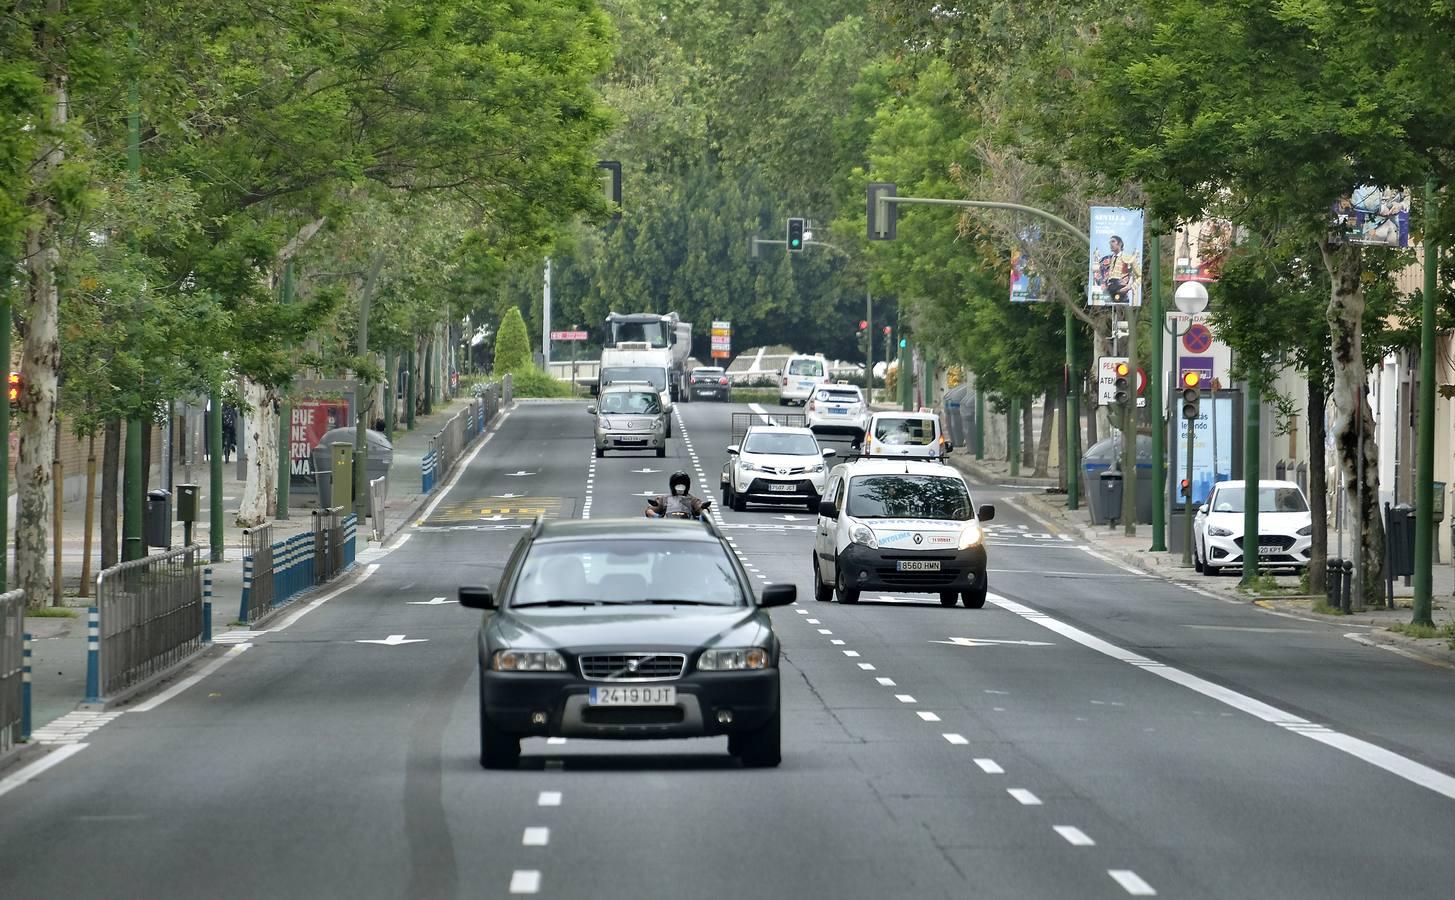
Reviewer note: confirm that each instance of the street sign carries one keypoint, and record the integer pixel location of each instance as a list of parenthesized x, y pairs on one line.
[(1106, 381), (568, 335), (722, 339), (1202, 365), (1198, 338)]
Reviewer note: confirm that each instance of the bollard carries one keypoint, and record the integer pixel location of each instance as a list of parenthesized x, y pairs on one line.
[(25, 688), (1331, 585), (207, 605), (93, 655), (247, 588), (1348, 589)]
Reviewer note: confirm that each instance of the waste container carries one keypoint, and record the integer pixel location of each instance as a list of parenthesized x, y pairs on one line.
[(379, 456), (157, 520), (955, 399), (1108, 499), (1399, 540), (1105, 455)]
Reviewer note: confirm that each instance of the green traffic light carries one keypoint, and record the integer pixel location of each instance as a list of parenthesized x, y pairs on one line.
[(902, 343)]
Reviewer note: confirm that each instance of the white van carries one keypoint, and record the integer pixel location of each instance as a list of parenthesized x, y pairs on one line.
[(628, 363), (801, 374), (905, 435)]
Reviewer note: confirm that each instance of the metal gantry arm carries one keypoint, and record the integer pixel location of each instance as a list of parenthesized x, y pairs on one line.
[(883, 201)]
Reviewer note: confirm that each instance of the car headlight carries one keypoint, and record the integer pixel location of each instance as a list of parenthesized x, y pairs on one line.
[(528, 661), (728, 660), (1306, 530), (863, 534), (754, 467), (971, 536), (606, 423), (1219, 531), (814, 470)]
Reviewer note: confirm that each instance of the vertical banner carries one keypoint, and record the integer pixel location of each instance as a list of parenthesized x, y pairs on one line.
[(1026, 283), (722, 339), (1115, 275), (313, 417), (1201, 248), (1376, 216), (1212, 452)]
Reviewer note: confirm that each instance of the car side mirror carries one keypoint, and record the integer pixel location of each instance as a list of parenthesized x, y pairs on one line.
[(595, 389), (986, 512), (778, 595), (590, 410), (733, 450), (830, 452), (826, 508), (477, 598)]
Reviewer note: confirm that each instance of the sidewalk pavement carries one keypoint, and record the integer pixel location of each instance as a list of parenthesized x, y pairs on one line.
[(1278, 593), (59, 643)]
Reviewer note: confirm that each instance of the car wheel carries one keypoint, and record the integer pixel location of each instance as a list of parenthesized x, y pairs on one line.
[(669, 427), (841, 584), (1196, 559), (661, 452), (975, 597), (761, 749), (948, 598), (1211, 571), (498, 749), (600, 452), (821, 592)]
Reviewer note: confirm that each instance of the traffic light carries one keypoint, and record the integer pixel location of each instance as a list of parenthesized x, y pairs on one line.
[(1186, 487), (863, 324), (14, 389), (1121, 390), (795, 235), (1191, 395), (881, 227), (887, 329), (903, 343)]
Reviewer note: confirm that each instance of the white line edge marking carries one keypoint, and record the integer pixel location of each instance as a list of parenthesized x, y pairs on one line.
[(288, 622), (460, 470), (1074, 836), (1132, 883), (989, 767), (39, 767), (549, 798), (1377, 756), (536, 836), (525, 881), (1024, 797), (1111, 562), (232, 653)]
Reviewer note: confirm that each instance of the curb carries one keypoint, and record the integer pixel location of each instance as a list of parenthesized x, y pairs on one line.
[(23, 754), (981, 473)]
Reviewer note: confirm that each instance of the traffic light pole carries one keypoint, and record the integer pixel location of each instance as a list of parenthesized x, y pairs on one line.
[(1425, 443), (1187, 499), (1157, 400), (8, 267)]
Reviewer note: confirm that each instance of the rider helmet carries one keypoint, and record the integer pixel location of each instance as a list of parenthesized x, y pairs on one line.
[(681, 478)]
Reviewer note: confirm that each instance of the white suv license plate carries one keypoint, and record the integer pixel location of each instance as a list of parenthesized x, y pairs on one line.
[(918, 565), (647, 695), (783, 488)]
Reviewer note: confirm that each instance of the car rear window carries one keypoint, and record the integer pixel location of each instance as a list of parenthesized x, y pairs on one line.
[(840, 396), (908, 497), (656, 377), (916, 432), (805, 367), (625, 570)]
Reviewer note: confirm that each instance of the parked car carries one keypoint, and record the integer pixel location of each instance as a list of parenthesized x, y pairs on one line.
[(775, 464), (1285, 527), (801, 375), (627, 629), (905, 435), (900, 525), (838, 409), (709, 383), (629, 416)]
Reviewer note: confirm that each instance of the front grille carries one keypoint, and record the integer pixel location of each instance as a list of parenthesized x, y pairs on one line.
[(632, 715), (1282, 541), (618, 666), (760, 486)]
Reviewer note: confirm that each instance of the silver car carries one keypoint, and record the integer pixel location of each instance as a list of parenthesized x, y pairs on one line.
[(630, 417)]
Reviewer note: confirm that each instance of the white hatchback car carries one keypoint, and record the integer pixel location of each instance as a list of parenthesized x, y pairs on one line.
[(1285, 527), (775, 464), (900, 435), (838, 409)]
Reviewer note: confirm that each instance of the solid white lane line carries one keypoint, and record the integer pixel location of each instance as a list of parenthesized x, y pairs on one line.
[(1075, 836), (231, 654), (1388, 760), (989, 767), (525, 881), (556, 741), (851, 653), (1132, 883), (1024, 797), (905, 698), (536, 836), (928, 716), (549, 798), (867, 667), (953, 738), (887, 682), (288, 622), (40, 766)]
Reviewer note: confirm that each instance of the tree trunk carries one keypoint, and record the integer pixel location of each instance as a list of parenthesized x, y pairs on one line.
[(110, 483), (1318, 485), (146, 456), (1028, 434), (259, 495), (1048, 432), (1345, 264)]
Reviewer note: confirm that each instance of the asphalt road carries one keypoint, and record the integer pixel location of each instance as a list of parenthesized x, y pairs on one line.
[(1093, 732)]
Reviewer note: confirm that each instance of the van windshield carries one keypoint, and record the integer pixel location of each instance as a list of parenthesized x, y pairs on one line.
[(917, 432), (653, 375), (908, 497), (631, 403), (805, 367)]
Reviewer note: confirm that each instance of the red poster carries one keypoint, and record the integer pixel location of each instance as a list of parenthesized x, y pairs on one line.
[(312, 419)]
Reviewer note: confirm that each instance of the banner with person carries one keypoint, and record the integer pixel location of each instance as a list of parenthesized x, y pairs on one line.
[(1026, 283), (1375, 216), (1115, 276)]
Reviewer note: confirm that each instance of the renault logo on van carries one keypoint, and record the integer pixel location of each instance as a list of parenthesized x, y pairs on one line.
[(919, 539)]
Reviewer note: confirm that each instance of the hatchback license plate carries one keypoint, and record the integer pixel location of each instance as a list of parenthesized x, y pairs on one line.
[(783, 488), (838, 411), (649, 695), (631, 440), (918, 565), (1269, 549)]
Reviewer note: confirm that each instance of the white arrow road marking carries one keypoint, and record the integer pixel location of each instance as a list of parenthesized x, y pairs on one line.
[(506, 496), (394, 640), (645, 471), (434, 601), (521, 474), (495, 518), (987, 642)]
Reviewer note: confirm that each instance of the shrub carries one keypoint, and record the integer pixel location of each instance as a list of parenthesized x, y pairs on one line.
[(532, 382), (512, 346)]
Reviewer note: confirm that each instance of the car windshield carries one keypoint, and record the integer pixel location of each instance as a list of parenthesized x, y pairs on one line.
[(905, 431), (653, 375), (781, 444), (805, 367), (840, 396), (627, 571), (634, 402), (653, 333), (908, 497), (1270, 500)]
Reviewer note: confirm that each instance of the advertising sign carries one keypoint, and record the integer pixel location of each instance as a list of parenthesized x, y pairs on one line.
[(568, 335), (1202, 247), (722, 339), (1115, 274), (1026, 283), (313, 417), (1212, 447), (1376, 216)]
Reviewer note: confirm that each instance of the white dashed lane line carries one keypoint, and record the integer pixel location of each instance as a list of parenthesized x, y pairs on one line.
[(886, 682), (1075, 836), (1132, 883), (549, 798), (928, 716), (905, 698), (989, 767), (525, 881), (1024, 797), (957, 739), (536, 836)]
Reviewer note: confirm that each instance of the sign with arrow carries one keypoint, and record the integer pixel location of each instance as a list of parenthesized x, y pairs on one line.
[(989, 642), (394, 640)]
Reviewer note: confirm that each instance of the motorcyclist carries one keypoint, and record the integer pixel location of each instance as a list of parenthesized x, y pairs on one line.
[(679, 503)]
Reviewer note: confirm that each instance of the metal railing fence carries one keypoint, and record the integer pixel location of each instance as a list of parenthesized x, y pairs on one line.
[(449, 443), (13, 648), (147, 618), (257, 589)]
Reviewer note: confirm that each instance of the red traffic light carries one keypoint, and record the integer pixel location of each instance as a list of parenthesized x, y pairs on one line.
[(887, 329), (863, 324), (1186, 487)]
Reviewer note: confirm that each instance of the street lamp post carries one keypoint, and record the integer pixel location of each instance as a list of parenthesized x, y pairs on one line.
[(1191, 300)]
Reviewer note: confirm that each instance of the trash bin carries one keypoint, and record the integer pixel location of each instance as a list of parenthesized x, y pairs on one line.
[(1109, 489), (157, 520), (379, 456), (1399, 540), (1104, 456), (954, 411)]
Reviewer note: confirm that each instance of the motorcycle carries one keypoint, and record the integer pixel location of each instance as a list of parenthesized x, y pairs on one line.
[(653, 512)]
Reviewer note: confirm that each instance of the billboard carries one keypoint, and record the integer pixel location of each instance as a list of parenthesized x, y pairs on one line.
[(1201, 249), (1375, 216), (313, 417), (722, 339), (1026, 283), (1212, 444), (1115, 274)]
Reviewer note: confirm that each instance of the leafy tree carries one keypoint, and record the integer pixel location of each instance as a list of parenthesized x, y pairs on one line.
[(512, 349)]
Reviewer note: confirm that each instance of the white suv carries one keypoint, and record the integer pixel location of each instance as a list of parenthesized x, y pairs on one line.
[(904, 526), (775, 464), (801, 374), (838, 409), (899, 435)]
